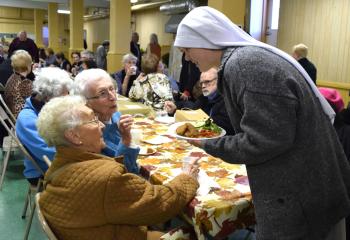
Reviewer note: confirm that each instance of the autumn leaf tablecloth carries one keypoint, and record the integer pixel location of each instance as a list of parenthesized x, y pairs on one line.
[(226, 207)]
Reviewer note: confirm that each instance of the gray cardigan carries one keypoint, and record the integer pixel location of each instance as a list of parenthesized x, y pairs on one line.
[(298, 172)]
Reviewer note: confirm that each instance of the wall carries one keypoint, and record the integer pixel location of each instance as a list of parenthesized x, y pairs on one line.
[(152, 21), (324, 26), (13, 20), (233, 9), (96, 32)]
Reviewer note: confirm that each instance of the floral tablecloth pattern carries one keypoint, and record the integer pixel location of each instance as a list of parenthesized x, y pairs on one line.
[(225, 208)]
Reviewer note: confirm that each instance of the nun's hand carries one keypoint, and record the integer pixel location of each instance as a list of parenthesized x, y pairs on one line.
[(197, 143)]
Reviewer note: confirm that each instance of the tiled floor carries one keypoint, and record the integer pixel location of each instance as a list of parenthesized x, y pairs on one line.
[(12, 196)]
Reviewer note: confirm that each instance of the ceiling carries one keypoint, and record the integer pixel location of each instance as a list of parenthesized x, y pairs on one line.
[(62, 4)]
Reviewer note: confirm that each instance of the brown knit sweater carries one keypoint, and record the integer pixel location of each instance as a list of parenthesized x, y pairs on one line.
[(94, 198)]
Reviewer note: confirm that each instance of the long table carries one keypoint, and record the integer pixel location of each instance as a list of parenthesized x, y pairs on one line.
[(226, 207)]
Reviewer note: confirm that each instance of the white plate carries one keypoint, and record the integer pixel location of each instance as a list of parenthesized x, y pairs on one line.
[(145, 151), (155, 140), (173, 127), (166, 120)]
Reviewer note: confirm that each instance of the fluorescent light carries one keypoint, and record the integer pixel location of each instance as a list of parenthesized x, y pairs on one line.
[(63, 11), (133, 1)]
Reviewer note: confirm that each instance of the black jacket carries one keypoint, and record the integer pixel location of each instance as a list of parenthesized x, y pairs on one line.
[(309, 68), (215, 108), (137, 53)]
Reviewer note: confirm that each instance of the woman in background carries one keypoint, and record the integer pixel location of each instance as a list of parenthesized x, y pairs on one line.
[(153, 46)]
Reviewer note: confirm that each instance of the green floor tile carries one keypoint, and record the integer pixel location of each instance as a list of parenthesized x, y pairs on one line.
[(12, 226)]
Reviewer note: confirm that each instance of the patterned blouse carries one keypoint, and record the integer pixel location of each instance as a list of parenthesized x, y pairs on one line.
[(153, 90), (17, 89)]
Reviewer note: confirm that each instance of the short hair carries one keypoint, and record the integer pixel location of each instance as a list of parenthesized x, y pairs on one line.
[(88, 54), (154, 38), (128, 57), (84, 79), (21, 60), (149, 63), (75, 52), (300, 50), (105, 43), (50, 51), (89, 63), (60, 55), (22, 31), (57, 116), (50, 82)]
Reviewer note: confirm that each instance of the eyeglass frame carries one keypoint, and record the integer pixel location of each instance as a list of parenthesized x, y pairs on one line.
[(105, 93), (207, 82), (95, 121)]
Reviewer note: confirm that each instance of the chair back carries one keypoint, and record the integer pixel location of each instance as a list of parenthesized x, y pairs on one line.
[(47, 160), (11, 117), (42, 219), (3, 117)]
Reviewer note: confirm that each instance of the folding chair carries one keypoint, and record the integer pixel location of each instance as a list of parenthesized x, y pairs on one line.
[(42, 220), (31, 191), (9, 144)]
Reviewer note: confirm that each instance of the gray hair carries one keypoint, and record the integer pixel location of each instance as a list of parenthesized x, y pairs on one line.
[(128, 57), (84, 79), (88, 54), (57, 116), (50, 82)]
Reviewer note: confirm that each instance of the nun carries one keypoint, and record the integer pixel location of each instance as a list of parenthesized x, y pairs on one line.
[(298, 172)]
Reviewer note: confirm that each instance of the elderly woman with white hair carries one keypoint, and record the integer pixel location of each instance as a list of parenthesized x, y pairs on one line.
[(49, 83), (127, 75), (91, 196), (97, 87), (298, 172)]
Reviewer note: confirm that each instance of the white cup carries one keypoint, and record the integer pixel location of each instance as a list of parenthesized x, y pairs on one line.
[(161, 113), (133, 70), (186, 163), (136, 136)]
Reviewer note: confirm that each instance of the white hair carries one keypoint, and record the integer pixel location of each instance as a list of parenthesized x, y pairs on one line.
[(51, 82), (57, 116), (84, 80), (128, 57), (87, 54)]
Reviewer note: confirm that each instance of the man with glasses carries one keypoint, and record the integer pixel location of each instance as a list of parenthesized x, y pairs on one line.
[(211, 102), (99, 90)]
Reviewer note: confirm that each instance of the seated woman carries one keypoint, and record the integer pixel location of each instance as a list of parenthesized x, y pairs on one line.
[(76, 65), (50, 57), (97, 87), (91, 196), (49, 83), (153, 88), (19, 86), (127, 75)]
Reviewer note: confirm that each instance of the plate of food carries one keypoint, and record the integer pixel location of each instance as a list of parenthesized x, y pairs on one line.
[(196, 130), (156, 139), (145, 151), (166, 120)]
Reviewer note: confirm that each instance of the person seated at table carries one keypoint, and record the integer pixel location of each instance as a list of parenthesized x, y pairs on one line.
[(211, 102), (151, 88), (62, 62), (97, 87), (49, 83), (50, 59), (127, 75), (91, 196), (76, 63), (88, 64), (19, 86)]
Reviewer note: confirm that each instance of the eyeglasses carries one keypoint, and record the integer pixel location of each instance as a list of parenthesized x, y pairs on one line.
[(94, 121), (104, 93), (207, 82)]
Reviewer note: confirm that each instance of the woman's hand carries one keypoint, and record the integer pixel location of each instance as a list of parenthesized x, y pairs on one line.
[(197, 143), (192, 169), (170, 107), (125, 124)]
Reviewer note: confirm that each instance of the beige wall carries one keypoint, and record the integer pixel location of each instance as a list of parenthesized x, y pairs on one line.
[(96, 32), (152, 21), (13, 20), (233, 9), (63, 33), (324, 26)]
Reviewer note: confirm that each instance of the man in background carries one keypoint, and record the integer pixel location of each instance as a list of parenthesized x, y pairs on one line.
[(25, 43), (300, 54), (101, 55)]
